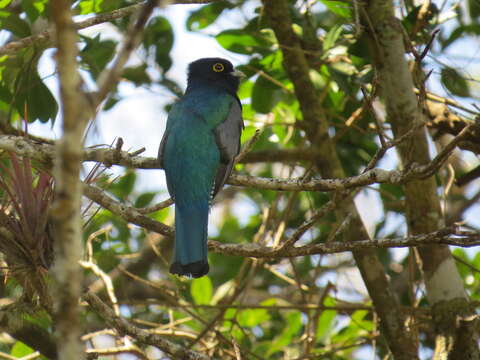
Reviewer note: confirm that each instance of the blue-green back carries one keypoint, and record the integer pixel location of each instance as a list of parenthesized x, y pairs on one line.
[(191, 156)]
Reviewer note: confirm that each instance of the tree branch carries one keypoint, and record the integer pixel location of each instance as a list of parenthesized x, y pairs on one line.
[(402, 343), (109, 77), (45, 37), (128, 213), (446, 236), (423, 211), (444, 121), (65, 210), (125, 328), (44, 153)]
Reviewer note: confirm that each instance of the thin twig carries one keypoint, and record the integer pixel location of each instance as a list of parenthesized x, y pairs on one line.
[(127, 349), (125, 328), (248, 146), (109, 77), (106, 280)]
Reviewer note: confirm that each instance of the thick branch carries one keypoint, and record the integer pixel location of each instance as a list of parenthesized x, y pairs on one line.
[(68, 192)]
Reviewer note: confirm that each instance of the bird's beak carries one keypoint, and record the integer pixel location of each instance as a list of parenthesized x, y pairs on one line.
[(238, 73)]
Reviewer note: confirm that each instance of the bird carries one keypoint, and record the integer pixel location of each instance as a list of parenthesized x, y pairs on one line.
[(197, 153)]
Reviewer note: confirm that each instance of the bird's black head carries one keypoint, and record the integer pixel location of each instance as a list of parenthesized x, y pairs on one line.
[(214, 72)]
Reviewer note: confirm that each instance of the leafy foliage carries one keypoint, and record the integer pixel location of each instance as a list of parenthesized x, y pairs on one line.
[(25, 205)]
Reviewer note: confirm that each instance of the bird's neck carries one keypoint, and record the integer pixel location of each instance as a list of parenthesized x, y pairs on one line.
[(203, 84)]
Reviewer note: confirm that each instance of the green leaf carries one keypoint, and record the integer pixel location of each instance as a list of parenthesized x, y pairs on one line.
[(454, 82), (95, 6), (335, 96), (33, 98), (108, 259), (245, 90), (252, 317), (359, 318), (4, 3), (206, 15), (239, 41), (462, 268), (461, 31), (40, 318), (89, 6), (394, 191), (332, 37), (13, 23), (357, 327), (112, 100), (265, 95), (230, 314), (137, 74), (124, 186), (97, 54), (144, 199), (318, 79), (474, 8), (34, 8), (339, 8), (293, 322), (20, 350), (158, 38), (201, 290), (326, 321)]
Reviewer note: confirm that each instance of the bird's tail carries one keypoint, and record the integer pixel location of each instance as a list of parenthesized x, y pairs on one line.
[(190, 253)]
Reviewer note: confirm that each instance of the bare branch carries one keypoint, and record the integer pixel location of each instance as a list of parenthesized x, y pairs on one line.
[(127, 349), (151, 209), (106, 280), (447, 236), (44, 153), (125, 328), (248, 146), (128, 213), (68, 192)]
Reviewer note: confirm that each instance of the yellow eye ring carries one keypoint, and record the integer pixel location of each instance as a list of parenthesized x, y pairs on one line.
[(218, 67)]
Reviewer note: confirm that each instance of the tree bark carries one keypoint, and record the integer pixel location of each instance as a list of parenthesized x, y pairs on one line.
[(400, 339), (444, 286), (65, 211)]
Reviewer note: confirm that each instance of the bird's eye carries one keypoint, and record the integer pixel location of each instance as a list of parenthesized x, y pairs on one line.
[(218, 67)]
